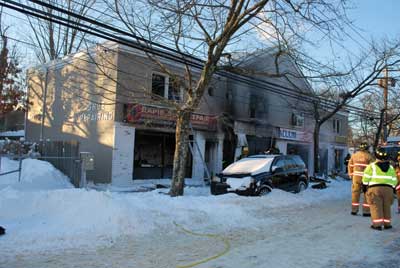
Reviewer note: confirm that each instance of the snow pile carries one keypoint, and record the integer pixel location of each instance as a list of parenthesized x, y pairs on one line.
[(36, 175), (67, 218), (44, 212)]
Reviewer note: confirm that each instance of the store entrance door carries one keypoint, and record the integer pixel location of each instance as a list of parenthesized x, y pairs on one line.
[(338, 160)]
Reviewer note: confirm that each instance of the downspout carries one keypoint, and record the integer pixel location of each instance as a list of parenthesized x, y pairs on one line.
[(44, 107)]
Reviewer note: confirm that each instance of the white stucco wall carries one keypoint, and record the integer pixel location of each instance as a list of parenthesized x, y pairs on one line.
[(123, 154), (198, 155)]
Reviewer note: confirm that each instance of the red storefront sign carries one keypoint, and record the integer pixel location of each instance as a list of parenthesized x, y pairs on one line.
[(159, 116)]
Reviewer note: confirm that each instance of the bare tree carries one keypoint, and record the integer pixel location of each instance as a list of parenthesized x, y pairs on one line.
[(348, 87), (214, 29), (53, 40), (370, 126)]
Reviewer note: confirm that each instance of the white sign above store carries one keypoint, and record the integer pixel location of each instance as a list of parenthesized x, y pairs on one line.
[(291, 134)]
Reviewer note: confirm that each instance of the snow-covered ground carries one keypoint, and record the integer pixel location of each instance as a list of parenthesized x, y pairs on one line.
[(51, 224)]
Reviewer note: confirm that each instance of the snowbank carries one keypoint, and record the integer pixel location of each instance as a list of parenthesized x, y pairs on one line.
[(64, 218), (36, 175)]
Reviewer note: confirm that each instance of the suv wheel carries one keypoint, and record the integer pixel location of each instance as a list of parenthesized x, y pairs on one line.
[(264, 191), (301, 186)]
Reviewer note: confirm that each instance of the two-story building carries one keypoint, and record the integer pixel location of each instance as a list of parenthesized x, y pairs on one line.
[(116, 102), (110, 99)]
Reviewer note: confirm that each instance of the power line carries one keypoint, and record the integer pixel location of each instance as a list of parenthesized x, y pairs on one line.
[(102, 34)]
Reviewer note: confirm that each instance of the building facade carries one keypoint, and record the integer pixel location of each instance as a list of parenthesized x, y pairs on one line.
[(117, 103), (110, 99)]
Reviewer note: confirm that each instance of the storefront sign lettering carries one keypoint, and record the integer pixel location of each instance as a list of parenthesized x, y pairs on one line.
[(96, 112), (150, 115), (290, 134), (287, 134)]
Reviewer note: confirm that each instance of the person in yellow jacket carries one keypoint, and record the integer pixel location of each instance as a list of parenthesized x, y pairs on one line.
[(357, 163), (397, 168), (379, 182)]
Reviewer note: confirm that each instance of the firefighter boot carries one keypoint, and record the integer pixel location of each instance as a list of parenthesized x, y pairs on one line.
[(378, 228)]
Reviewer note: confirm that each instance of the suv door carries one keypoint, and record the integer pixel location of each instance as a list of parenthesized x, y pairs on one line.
[(293, 173), (279, 177)]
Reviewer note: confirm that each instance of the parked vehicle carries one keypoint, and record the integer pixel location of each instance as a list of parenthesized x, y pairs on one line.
[(392, 147), (259, 174)]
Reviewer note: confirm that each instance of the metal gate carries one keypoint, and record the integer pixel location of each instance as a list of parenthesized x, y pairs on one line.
[(64, 155)]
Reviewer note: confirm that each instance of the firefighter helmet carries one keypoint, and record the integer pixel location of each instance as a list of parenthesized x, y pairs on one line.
[(380, 154), (363, 146)]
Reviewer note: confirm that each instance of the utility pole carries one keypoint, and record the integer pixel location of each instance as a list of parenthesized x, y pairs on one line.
[(385, 102), (384, 83)]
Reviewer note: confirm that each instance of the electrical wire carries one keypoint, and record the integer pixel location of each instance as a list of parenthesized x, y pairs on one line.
[(296, 95)]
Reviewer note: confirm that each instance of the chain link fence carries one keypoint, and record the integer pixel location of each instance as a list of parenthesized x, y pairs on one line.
[(63, 155)]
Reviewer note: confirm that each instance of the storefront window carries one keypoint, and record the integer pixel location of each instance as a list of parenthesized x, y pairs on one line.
[(154, 155)]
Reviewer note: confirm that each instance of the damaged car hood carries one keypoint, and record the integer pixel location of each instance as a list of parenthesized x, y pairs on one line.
[(251, 166)]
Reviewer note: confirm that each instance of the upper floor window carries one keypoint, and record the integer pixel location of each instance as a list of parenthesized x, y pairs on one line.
[(158, 84), (298, 119), (253, 106), (174, 90), (163, 86), (336, 125)]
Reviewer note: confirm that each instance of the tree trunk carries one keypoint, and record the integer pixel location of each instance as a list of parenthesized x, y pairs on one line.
[(181, 146), (316, 147)]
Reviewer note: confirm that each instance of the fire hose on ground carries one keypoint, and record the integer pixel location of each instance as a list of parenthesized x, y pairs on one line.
[(213, 236)]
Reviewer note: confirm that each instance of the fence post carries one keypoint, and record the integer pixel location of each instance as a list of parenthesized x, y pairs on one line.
[(82, 181), (20, 164)]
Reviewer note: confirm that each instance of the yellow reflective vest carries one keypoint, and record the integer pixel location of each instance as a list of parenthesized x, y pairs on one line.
[(373, 175)]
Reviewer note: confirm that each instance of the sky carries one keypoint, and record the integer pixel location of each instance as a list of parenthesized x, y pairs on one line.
[(377, 18), (372, 18)]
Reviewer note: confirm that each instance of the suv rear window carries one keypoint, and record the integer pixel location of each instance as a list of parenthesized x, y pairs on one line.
[(298, 160)]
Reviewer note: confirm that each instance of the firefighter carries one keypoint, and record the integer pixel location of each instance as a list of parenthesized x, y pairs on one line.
[(397, 168), (357, 163), (379, 182)]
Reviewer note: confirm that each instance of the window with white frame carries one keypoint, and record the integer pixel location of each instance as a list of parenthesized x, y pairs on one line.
[(163, 86), (174, 90), (336, 125), (298, 119)]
